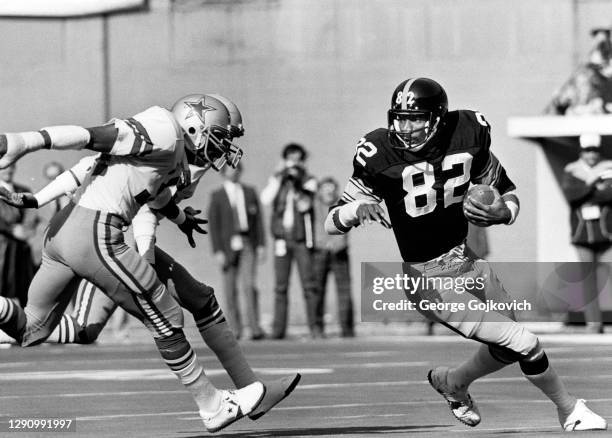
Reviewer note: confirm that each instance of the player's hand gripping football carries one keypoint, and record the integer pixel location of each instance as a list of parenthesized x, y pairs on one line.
[(19, 200), (484, 215), (366, 213), (191, 224)]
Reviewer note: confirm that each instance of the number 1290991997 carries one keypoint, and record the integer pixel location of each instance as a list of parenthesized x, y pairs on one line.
[(40, 424)]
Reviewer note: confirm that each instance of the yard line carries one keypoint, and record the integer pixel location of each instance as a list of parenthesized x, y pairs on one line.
[(425, 382), (136, 374), (190, 414)]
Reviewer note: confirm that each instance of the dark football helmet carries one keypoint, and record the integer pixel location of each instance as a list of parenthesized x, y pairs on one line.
[(418, 106)]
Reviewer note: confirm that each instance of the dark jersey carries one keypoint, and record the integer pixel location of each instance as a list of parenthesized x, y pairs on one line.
[(424, 190)]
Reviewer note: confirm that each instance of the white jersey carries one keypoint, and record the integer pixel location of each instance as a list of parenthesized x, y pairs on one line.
[(147, 157), (186, 188)]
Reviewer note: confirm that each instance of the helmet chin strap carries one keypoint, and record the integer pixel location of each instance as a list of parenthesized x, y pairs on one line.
[(430, 131), (409, 146)]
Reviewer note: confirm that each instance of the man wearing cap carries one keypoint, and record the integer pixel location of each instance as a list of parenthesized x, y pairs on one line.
[(587, 185)]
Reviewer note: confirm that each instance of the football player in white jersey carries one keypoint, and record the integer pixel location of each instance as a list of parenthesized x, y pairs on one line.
[(140, 158), (93, 308)]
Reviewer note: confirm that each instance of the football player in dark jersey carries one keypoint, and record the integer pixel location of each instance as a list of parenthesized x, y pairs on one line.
[(421, 166)]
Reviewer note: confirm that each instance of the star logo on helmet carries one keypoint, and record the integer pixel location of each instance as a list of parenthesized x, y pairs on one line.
[(199, 108)]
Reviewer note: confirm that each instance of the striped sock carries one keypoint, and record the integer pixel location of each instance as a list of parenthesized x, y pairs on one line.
[(217, 334), (65, 332), (6, 310), (182, 360), (12, 318)]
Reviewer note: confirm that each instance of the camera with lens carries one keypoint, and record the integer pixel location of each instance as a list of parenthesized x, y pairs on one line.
[(295, 174)]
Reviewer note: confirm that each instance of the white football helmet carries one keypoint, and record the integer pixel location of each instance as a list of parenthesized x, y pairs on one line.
[(237, 130), (206, 124)]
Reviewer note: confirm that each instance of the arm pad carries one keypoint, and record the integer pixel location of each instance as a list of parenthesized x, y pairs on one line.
[(65, 137), (513, 204), (62, 184), (341, 219)]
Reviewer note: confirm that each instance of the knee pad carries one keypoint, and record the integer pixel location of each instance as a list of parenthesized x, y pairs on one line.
[(504, 355), (536, 362)]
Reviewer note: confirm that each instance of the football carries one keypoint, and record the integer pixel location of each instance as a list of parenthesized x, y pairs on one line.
[(482, 193)]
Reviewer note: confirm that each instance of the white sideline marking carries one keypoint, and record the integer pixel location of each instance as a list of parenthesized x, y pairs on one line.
[(140, 374), (315, 386), (203, 356), (425, 382), (190, 415)]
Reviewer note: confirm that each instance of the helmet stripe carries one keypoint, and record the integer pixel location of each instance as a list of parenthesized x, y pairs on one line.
[(406, 90)]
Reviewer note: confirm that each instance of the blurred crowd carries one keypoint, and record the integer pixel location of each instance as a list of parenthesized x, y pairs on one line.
[(587, 182), (297, 202), (589, 88)]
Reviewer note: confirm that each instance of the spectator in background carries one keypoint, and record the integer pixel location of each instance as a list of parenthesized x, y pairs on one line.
[(600, 55), (587, 185), (331, 255), (17, 266), (582, 94), (238, 242), (290, 192)]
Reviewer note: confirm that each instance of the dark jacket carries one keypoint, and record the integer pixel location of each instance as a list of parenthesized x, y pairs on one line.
[(590, 204), (303, 225), (222, 224)]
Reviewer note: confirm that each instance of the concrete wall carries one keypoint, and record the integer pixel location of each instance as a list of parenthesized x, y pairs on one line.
[(318, 72)]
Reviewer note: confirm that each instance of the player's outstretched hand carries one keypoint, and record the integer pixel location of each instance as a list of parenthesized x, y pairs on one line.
[(19, 200), (366, 213), (191, 224), (484, 215), (11, 149)]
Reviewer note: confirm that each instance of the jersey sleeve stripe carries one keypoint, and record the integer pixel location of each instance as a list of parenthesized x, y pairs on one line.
[(361, 191), (136, 144), (360, 185), (492, 171), (142, 142), (147, 149), (486, 168), (75, 178), (141, 129), (347, 198)]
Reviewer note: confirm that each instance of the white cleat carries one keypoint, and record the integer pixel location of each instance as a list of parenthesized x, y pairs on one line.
[(460, 402), (235, 404), (582, 418)]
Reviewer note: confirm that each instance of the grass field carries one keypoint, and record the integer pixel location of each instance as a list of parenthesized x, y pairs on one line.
[(364, 387)]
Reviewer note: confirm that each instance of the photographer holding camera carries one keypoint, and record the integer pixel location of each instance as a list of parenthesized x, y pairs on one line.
[(290, 193)]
